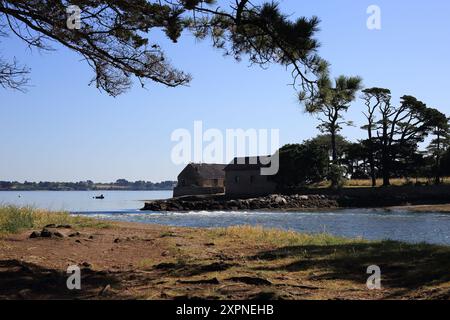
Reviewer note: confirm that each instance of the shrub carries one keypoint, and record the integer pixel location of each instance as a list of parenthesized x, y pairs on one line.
[(14, 219)]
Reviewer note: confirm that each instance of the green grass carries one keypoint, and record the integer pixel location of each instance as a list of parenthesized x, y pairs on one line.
[(278, 237), (15, 219), (397, 182)]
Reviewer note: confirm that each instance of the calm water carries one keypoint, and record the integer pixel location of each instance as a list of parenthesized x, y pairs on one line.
[(83, 201), (124, 205)]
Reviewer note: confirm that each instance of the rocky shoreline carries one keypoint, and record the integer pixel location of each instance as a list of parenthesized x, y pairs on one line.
[(310, 199), (218, 203)]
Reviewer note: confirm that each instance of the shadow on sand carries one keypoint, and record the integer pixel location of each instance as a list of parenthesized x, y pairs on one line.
[(20, 280), (405, 267)]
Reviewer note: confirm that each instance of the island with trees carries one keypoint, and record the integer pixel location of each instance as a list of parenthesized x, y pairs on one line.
[(120, 184)]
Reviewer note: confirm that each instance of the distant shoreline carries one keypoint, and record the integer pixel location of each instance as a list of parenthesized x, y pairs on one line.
[(88, 185)]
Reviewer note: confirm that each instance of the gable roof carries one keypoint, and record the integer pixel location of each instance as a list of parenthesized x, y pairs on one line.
[(248, 163), (206, 170)]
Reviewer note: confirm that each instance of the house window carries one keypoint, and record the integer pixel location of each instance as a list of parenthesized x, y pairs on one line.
[(236, 179)]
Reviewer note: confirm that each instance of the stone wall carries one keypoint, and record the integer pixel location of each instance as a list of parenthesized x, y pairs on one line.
[(251, 183), (272, 202), (193, 190), (384, 196)]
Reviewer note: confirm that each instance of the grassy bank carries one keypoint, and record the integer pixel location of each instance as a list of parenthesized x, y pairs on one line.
[(290, 265), (395, 182), (15, 219), (141, 261)]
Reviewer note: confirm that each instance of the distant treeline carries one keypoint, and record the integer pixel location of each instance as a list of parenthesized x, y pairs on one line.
[(120, 184)]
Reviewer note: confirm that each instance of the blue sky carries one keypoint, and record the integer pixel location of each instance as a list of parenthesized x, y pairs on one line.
[(64, 130)]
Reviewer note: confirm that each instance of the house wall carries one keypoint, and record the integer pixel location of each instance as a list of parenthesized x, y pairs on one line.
[(212, 183), (190, 184), (189, 177), (247, 183)]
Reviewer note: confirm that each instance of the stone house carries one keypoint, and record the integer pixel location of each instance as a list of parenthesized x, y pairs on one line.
[(200, 179), (243, 178)]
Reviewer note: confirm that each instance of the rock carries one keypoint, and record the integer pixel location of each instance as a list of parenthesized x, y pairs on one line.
[(35, 234), (51, 230), (58, 234), (45, 233), (280, 200), (64, 226), (116, 240), (74, 234), (86, 265), (105, 290), (274, 201)]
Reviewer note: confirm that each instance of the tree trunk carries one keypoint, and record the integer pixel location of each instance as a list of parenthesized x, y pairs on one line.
[(333, 147), (371, 157), (334, 178), (385, 157), (437, 179), (386, 168), (372, 170)]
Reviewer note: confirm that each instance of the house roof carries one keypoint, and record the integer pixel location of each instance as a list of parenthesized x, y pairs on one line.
[(248, 163), (207, 171)]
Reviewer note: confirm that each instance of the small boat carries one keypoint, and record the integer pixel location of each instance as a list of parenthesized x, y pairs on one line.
[(99, 197)]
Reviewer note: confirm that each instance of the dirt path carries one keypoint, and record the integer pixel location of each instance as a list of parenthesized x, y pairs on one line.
[(129, 261)]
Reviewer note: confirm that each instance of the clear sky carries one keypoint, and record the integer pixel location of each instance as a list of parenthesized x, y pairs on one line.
[(64, 130)]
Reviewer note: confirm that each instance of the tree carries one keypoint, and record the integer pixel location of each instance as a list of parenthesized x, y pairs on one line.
[(355, 160), (114, 40), (332, 102), (441, 130), (400, 128), (323, 140), (374, 99), (122, 182), (302, 164), (445, 163)]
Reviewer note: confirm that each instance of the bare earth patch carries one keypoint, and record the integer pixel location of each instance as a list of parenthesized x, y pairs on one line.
[(136, 261)]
